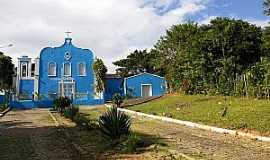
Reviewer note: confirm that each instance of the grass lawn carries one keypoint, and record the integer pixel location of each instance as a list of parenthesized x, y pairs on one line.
[(243, 113)]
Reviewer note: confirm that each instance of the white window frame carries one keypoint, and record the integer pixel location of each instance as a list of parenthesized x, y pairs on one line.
[(84, 64), (67, 75), (26, 71), (151, 89), (55, 69)]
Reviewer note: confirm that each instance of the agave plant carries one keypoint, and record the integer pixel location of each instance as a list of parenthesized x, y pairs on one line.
[(114, 124)]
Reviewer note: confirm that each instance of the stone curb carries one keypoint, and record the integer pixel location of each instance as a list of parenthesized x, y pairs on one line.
[(5, 111), (196, 125)]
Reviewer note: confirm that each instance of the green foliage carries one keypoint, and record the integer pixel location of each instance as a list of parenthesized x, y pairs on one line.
[(221, 58), (117, 99), (114, 124), (266, 5), (3, 107), (6, 72), (85, 122), (100, 72), (132, 142), (61, 103), (71, 112), (135, 63)]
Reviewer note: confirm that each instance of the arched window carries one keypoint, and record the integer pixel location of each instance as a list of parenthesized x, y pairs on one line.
[(52, 69), (67, 69), (24, 69), (82, 69)]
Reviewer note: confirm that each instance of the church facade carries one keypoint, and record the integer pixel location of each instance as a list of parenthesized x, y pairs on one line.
[(58, 71)]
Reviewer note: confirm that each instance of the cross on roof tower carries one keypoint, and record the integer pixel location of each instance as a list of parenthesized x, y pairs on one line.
[(68, 33)]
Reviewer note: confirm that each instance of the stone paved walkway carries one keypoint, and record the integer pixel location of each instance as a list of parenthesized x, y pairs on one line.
[(31, 134)]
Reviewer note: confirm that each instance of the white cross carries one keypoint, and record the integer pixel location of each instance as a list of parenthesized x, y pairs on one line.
[(68, 33)]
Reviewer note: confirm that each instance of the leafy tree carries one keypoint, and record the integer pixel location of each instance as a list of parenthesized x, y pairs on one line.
[(266, 41), (6, 72), (136, 62), (100, 71), (266, 5), (176, 55)]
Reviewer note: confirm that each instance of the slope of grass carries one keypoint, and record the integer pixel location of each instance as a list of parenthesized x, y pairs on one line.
[(242, 113)]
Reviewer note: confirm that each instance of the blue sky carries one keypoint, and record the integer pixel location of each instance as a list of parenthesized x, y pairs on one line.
[(110, 28), (245, 9), (251, 10)]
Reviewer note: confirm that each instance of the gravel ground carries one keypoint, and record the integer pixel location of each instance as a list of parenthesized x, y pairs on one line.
[(31, 134)]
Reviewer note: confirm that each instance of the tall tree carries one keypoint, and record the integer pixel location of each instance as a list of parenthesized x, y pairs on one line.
[(266, 5), (100, 72), (136, 62), (6, 72)]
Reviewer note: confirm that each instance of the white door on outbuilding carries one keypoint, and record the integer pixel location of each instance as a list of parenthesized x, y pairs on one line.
[(146, 90)]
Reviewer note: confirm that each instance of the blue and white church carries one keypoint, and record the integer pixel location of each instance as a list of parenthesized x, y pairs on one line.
[(58, 71), (68, 71)]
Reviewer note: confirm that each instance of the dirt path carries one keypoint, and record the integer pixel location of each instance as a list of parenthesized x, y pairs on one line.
[(31, 134)]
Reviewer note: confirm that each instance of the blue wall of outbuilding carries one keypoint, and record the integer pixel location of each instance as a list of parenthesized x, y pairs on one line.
[(133, 84), (112, 86), (2, 97)]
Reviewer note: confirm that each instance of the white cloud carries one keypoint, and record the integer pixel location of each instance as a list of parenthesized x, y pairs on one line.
[(111, 28), (207, 20), (262, 23), (258, 22)]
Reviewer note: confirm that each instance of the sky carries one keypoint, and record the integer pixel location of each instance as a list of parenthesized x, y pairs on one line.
[(110, 28)]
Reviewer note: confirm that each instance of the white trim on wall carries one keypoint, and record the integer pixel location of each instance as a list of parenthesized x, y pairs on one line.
[(78, 69), (70, 71), (55, 69), (145, 73)]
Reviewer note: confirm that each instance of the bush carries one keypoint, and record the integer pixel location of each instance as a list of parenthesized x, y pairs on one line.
[(3, 107), (61, 103), (117, 99), (132, 142), (85, 123), (71, 112), (114, 124)]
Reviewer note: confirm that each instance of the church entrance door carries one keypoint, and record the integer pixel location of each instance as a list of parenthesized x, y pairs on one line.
[(67, 88)]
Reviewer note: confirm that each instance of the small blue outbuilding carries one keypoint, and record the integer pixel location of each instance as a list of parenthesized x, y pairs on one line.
[(144, 85), (113, 85)]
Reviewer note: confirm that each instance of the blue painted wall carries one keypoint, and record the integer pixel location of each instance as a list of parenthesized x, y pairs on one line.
[(27, 86), (112, 86), (133, 84), (83, 84), (2, 99)]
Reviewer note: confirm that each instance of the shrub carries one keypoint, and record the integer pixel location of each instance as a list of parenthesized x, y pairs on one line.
[(71, 112), (3, 107), (117, 99), (85, 123), (132, 142), (114, 124), (61, 103)]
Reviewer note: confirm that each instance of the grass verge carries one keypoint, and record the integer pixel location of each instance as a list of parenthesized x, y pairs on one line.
[(242, 113)]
